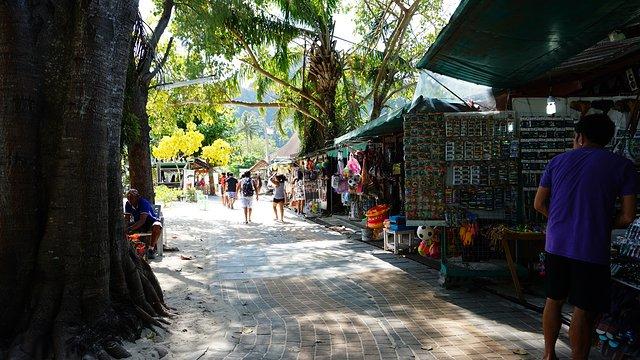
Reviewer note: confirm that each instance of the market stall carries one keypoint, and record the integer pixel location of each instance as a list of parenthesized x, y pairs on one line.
[(369, 169)]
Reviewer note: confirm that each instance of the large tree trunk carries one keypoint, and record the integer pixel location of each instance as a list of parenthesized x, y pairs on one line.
[(139, 149), (69, 282), (142, 56)]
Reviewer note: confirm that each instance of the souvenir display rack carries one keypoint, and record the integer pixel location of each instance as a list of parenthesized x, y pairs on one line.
[(425, 166), (625, 262), (481, 153), (541, 138)]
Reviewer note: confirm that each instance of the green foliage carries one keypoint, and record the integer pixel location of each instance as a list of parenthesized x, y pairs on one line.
[(190, 195), (166, 195), (376, 23)]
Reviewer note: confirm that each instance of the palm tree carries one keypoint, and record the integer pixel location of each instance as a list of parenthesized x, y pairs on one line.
[(249, 125)]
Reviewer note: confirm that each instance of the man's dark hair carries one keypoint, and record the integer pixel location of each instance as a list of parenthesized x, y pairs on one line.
[(246, 174), (597, 128), (229, 174)]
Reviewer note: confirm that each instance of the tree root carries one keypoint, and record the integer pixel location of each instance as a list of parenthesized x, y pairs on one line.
[(149, 319), (116, 350)]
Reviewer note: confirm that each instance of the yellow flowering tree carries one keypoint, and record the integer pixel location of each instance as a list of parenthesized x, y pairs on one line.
[(218, 153), (180, 143)]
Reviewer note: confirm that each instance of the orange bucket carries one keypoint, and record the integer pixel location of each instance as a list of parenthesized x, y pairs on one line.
[(376, 216)]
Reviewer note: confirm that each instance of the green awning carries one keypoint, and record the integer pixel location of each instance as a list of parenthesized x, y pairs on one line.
[(389, 123), (506, 43), (393, 121)]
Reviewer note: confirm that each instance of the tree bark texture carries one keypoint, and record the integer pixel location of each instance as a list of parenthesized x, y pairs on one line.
[(69, 280), (141, 59), (325, 71), (140, 148)]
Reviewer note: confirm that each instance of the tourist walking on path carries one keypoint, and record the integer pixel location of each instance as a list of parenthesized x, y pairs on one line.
[(258, 183), (247, 188), (231, 187), (279, 196), (223, 190), (577, 193)]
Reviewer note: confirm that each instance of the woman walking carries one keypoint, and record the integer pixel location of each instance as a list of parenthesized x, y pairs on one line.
[(298, 195), (279, 196)]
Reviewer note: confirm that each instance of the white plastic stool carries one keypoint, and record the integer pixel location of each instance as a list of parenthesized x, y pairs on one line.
[(399, 238)]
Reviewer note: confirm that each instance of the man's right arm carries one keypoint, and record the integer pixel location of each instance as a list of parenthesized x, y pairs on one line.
[(541, 202), (627, 212)]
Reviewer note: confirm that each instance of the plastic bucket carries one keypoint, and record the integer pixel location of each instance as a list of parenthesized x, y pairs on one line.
[(376, 216)]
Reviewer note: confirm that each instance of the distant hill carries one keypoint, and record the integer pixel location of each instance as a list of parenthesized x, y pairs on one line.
[(249, 95)]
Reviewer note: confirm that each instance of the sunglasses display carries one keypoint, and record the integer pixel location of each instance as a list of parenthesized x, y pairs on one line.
[(541, 138), (461, 160), (425, 167), (481, 152)]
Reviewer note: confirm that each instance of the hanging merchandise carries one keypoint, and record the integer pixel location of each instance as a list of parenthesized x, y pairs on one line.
[(423, 248), (335, 181), (343, 186), (353, 165), (425, 168)]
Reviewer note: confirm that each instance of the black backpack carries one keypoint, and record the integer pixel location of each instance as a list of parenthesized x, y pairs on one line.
[(247, 187)]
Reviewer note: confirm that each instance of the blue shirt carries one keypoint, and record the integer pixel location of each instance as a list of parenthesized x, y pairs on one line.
[(585, 184), (144, 207)]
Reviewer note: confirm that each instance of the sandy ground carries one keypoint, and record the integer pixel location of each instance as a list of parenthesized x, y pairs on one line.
[(186, 285)]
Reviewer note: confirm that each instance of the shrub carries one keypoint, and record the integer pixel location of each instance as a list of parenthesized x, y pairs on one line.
[(191, 195), (166, 195)]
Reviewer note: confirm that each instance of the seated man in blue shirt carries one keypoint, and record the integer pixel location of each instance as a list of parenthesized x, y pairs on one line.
[(144, 218)]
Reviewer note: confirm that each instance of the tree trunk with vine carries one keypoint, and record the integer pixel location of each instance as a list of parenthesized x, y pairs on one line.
[(70, 283), (142, 58)]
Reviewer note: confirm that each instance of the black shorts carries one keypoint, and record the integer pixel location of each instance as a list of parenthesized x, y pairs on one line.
[(586, 285), (148, 224), (276, 201)]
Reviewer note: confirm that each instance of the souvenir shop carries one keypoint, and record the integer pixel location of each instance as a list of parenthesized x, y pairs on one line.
[(368, 172), (479, 177), (309, 181)]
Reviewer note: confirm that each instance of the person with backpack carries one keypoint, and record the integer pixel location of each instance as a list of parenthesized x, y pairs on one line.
[(247, 188)]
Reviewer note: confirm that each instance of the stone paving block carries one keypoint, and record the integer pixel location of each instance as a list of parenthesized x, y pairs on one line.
[(297, 283)]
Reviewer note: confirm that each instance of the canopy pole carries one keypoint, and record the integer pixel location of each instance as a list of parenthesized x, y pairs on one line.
[(441, 84)]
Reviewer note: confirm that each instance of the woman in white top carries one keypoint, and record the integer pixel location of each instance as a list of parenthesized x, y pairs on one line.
[(279, 196)]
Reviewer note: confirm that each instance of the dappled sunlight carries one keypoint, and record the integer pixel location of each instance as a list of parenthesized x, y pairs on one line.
[(307, 289)]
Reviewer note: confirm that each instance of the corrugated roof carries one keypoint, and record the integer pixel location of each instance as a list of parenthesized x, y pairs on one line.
[(259, 165), (597, 55)]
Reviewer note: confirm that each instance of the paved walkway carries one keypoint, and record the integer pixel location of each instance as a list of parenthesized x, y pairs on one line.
[(300, 291)]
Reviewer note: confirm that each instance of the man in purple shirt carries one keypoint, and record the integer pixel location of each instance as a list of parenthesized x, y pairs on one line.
[(577, 193)]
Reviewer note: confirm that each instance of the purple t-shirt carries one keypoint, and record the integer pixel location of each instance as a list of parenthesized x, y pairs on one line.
[(584, 186)]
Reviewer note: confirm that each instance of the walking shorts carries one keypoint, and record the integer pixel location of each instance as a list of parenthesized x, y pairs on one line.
[(585, 285), (246, 202), (278, 201), (231, 194)]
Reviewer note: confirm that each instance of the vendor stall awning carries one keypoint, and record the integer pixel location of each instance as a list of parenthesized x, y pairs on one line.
[(392, 122), (389, 123), (505, 43)]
